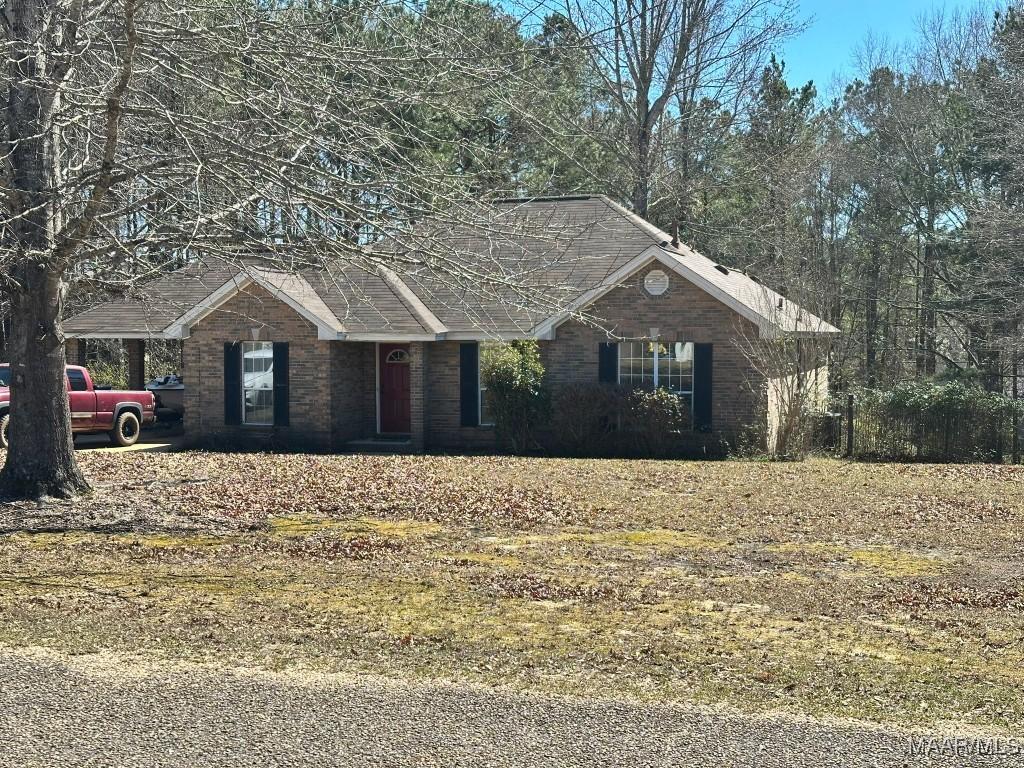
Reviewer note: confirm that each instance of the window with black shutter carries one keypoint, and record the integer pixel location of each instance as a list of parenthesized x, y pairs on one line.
[(681, 367), (469, 384), (608, 363), (281, 375), (703, 363)]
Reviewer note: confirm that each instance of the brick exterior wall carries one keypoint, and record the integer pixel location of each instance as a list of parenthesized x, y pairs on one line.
[(418, 376), (74, 351), (333, 384), (444, 419), (136, 351), (369, 391), (311, 402), (353, 393), (683, 313)]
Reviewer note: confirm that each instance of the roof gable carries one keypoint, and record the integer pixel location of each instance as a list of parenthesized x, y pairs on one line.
[(291, 289), (651, 256), (525, 267)]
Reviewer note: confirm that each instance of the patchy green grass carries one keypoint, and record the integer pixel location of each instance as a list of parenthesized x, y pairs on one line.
[(891, 593)]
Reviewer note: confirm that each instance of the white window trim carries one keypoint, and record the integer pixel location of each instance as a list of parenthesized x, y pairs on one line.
[(400, 352), (480, 389), (656, 343), (246, 422)]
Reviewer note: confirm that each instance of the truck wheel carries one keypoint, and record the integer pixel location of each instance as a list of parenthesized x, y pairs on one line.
[(5, 421), (126, 430)]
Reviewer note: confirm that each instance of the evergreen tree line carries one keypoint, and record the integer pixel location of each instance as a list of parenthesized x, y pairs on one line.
[(892, 208)]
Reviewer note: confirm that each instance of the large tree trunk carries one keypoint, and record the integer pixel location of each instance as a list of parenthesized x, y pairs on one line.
[(41, 458)]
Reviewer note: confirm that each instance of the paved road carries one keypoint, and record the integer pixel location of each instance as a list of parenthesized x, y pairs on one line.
[(56, 712)]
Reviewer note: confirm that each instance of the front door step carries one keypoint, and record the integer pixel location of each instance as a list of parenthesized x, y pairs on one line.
[(381, 444)]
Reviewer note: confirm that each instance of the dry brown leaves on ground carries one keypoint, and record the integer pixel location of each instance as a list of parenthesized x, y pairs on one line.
[(194, 490)]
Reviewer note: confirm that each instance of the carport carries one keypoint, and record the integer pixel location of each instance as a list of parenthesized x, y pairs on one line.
[(136, 358), (76, 348), (142, 320)]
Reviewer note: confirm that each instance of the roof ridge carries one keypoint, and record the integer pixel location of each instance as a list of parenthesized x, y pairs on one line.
[(658, 235), (544, 198)]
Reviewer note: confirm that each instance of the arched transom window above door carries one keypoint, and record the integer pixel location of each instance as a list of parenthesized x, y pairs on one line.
[(397, 356)]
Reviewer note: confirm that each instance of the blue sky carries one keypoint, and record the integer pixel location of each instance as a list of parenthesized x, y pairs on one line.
[(838, 28)]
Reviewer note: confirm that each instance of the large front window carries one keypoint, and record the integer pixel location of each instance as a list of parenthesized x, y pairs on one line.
[(654, 364), (258, 382)]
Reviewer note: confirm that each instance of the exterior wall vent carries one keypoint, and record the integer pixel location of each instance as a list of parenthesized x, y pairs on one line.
[(656, 282)]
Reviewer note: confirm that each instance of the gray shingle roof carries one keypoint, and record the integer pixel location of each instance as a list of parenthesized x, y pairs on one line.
[(524, 260), (346, 299), (364, 302), (154, 305), (504, 268)]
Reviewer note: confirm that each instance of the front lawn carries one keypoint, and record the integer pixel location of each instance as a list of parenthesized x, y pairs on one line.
[(885, 592)]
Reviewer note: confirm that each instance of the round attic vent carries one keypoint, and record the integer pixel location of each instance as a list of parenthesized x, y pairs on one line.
[(656, 282)]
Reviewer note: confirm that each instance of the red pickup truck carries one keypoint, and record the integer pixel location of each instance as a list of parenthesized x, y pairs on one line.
[(119, 414)]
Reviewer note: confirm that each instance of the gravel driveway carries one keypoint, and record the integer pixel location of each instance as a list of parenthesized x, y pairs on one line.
[(74, 712)]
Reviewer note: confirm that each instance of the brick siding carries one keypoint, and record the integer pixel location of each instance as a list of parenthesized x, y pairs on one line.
[(444, 416), (683, 313), (333, 383), (136, 351), (353, 395), (74, 351), (310, 406)]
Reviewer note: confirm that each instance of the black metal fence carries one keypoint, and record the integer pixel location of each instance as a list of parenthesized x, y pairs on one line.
[(940, 423)]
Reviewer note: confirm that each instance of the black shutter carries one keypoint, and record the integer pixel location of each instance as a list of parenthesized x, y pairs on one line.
[(469, 384), (280, 383), (232, 383), (608, 363), (702, 366)]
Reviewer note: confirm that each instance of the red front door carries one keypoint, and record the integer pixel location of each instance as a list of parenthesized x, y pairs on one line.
[(395, 414)]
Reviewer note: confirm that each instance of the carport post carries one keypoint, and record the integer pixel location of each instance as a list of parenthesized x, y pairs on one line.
[(74, 351), (136, 349)]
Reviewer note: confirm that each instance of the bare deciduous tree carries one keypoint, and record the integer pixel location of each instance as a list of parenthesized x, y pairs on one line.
[(790, 376), (139, 132), (662, 55)]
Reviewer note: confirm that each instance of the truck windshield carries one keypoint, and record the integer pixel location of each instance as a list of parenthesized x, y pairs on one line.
[(5, 375)]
